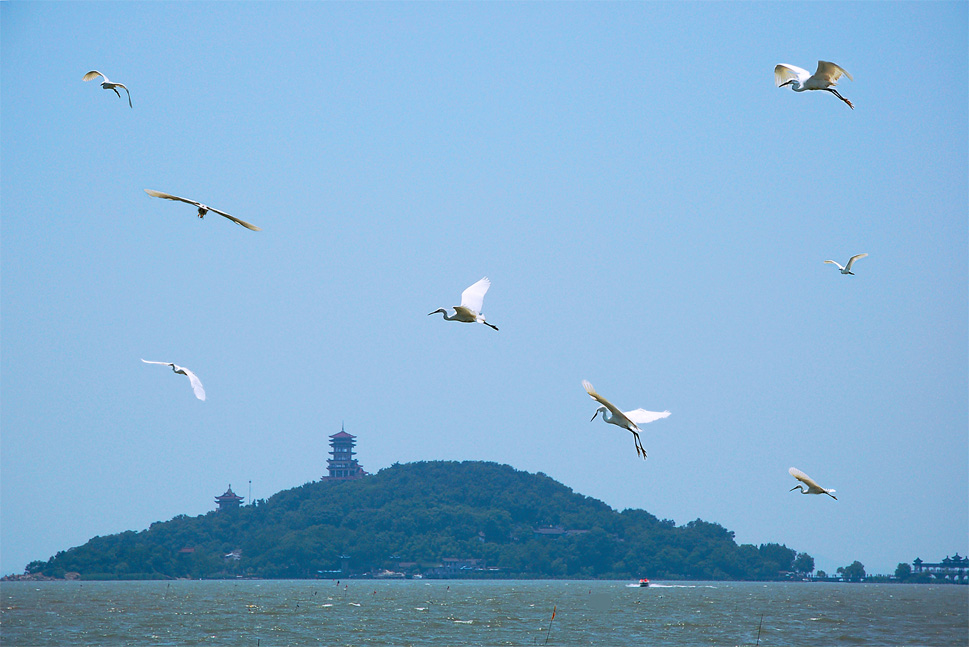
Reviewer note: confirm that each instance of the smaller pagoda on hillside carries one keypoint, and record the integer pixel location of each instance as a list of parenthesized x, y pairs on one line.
[(228, 501), (343, 466)]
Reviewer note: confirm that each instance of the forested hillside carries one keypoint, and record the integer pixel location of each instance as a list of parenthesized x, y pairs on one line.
[(434, 518)]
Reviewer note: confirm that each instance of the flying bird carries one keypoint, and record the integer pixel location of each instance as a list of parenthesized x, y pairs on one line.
[(470, 309), (846, 269), (800, 79), (108, 85), (181, 370), (203, 209), (625, 419), (812, 487)]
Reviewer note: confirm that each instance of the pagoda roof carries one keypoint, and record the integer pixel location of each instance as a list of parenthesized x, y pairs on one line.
[(342, 434), (229, 495)]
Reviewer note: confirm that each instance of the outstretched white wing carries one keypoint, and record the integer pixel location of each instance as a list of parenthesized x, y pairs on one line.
[(830, 72), (804, 478), (641, 416), (196, 383), (168, 196), (473, 297), (784, 73), (122, 85), (162, 363), (851, 261), (93, 74), (601, 400), (236, 220), (840, 267)]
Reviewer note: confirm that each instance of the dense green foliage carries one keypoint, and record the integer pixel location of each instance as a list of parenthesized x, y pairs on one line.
[(803, 564), (412, 518), (854, 572)]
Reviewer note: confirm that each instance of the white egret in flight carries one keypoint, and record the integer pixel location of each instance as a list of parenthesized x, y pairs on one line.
[(812, 487), (846, 269), (181, 370), (108, 85), (203, 209), (471, 301), (800, 79), (625, 419)]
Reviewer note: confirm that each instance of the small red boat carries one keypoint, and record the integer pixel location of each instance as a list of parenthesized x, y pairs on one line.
[(644, 582)]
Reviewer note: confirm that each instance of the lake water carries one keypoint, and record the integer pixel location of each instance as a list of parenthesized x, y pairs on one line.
[(462, 613)]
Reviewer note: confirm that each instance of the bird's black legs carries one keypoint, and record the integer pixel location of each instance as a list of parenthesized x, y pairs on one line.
[(837, 94), (640, 450)]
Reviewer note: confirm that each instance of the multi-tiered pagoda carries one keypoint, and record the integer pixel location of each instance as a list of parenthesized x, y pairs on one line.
[(343, 466), (229, 500)]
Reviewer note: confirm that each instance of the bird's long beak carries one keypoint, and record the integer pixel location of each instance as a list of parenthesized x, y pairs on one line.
[(594, 415), (794, 488)]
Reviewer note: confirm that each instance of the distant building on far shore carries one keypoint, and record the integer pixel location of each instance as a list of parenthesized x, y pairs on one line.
[(229, 500), (343, 466), (954, 567)]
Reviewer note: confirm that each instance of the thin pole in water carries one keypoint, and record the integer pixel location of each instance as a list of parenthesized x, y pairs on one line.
[(550, 624), (759, 627)]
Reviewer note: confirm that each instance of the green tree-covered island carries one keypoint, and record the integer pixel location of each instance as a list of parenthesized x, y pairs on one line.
[(428, 519)]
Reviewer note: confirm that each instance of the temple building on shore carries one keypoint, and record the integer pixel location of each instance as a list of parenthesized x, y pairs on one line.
[(228, 501), (342, 466), (954, 567)]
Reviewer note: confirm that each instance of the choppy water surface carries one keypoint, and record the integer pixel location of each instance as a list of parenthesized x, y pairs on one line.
[(416, 612)]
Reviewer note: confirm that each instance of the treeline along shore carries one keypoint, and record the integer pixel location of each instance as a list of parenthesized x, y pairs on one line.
[(427, 519)]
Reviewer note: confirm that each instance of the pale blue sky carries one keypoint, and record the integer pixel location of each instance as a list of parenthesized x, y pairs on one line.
[(653, 214)]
